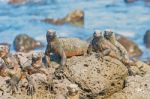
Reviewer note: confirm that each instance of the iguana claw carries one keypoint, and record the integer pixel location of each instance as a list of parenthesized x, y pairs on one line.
[(13, 84)]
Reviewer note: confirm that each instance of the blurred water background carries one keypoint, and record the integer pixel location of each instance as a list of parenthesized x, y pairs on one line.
[(131, 20)]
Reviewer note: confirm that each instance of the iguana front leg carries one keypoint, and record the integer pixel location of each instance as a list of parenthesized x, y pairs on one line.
[(49, 83), (106, 52), (59, 71), (13, 83), (89, 50), (100, 54), (128, 62), (63, 59), (47, 55), (30, 88)]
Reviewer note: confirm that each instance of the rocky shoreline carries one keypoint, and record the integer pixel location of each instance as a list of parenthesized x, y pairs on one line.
[(82, 77), (107, 79), (105, 66)]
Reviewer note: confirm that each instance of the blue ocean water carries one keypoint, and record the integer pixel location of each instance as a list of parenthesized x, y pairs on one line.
[(131, 20)]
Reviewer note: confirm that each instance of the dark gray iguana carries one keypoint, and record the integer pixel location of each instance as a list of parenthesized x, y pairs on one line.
[(110, 36), (100, 45)]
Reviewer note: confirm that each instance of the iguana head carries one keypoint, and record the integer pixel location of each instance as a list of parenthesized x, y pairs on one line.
[(98, 34), (4, 50), (36, 56), (109, 35), (51, 34)]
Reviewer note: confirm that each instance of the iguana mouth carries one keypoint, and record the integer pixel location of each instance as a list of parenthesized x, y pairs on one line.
[(51, 37), (106, 36)]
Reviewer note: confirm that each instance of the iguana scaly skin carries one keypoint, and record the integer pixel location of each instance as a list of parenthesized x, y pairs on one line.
[(64, 47), (36, 66), (110, 36), (16, 75), (8, 58), (73, 46), (9, 67), (100, 45)]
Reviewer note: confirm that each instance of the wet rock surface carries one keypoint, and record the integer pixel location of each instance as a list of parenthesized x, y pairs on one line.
[(147, 39), (75, 18), (24, 43)]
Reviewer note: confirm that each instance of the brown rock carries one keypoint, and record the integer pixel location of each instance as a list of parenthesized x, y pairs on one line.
[(8, 96), (3, 85), (24, 43), (140, 68), (76, 18), (137, 87), (134, 70), (17, 1), (94, 77), (129, 1), (143, 67), (118, 95), (54, 21), (147, 0), (147, 39), (131, 47), (148, 63)]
